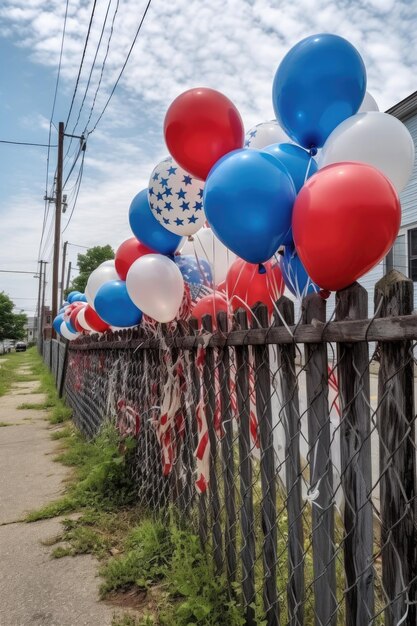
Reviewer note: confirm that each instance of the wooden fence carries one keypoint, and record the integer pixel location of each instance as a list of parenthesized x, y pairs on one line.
[(307, 497)]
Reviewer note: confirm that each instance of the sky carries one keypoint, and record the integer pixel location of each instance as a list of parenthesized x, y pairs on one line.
[(234, 46)]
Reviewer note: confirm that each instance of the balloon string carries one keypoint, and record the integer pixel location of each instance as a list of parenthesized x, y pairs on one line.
[(200, 268), (308, 168)]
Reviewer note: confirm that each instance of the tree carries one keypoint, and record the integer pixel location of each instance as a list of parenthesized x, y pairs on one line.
[(87, 263), (12, 325)]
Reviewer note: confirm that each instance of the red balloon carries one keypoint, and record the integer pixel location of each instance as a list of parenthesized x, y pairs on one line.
[(127, 253), (221, 287), (94, 321), (73, 317), (68, 310), (200, 127), (210, 305), (249, 283), (345, 220)]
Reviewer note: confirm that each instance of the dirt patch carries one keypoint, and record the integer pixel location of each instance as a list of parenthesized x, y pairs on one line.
[(142, 601)]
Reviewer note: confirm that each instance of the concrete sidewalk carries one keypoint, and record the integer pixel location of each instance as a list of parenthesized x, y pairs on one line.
[(36, 590)]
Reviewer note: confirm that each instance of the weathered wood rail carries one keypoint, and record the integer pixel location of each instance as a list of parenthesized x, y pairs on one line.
[(396, 328)]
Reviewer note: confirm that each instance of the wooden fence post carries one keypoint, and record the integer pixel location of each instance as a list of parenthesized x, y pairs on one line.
[(227, 456), (397, 457), (356, 466), (197, 383), (245, 470), (209, 377), (63, 371), (263, 390), (321, 469), (292, 427)]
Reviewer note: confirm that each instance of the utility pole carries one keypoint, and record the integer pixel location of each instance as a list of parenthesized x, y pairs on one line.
[(68, 276), (58, 209), (64, 258), (43, 302), (38, 309)]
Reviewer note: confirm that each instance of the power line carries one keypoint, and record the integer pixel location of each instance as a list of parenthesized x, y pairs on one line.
[(93, 65), (28, 143), (82, 61), (81, 150), (76, 245), (123, 67), (103, 65), (46, 209), (80, 176), (17, 272)]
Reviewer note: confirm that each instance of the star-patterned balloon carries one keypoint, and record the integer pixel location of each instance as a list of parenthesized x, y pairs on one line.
[(176, 198), (194, 270), (265, 134)]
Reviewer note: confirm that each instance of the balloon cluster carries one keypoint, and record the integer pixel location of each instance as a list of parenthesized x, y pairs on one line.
[(308, 201)]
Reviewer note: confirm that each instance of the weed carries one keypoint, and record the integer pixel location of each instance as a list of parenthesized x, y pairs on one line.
[(60, 413), (66, 504), (129, 620), (161, 552), (62, 433), (148, 554), (3, 424), (36, 406), (82, 540), (8, 373), (61, 551), (101, 479)]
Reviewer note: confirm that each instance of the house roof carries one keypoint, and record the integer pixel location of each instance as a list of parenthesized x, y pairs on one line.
[(404, 109)]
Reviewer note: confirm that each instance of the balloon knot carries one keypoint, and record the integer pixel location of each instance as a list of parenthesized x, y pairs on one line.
[(324, 293), (313, 151), (190, 238), (261, 269)]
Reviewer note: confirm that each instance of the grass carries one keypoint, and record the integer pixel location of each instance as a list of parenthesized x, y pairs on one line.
[(4, 424), (130, 620), (8, 374), (36, 406), (147, 554), (101, 478), (157, 553)]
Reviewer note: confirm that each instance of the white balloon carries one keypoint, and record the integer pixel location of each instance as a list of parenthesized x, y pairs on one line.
[(82, 322), (378, 139), (176, 198), (155, 284), (266, 134), (104, 272), (66, 333), (206, 245), (368, 104)]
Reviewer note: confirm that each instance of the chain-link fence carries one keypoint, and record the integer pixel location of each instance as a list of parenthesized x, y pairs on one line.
[(298, 471)]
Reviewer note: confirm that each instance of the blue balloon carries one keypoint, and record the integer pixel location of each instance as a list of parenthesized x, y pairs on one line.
[(71, 327), (82, 298), (300, 165), (57, 323), (194, 270), (294, 274), (74, 296), (320, 82), (147, 229), (113, 305), (65, 303), (248, 201)]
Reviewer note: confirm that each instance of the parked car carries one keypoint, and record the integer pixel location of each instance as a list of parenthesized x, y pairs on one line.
[(20, 346)]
